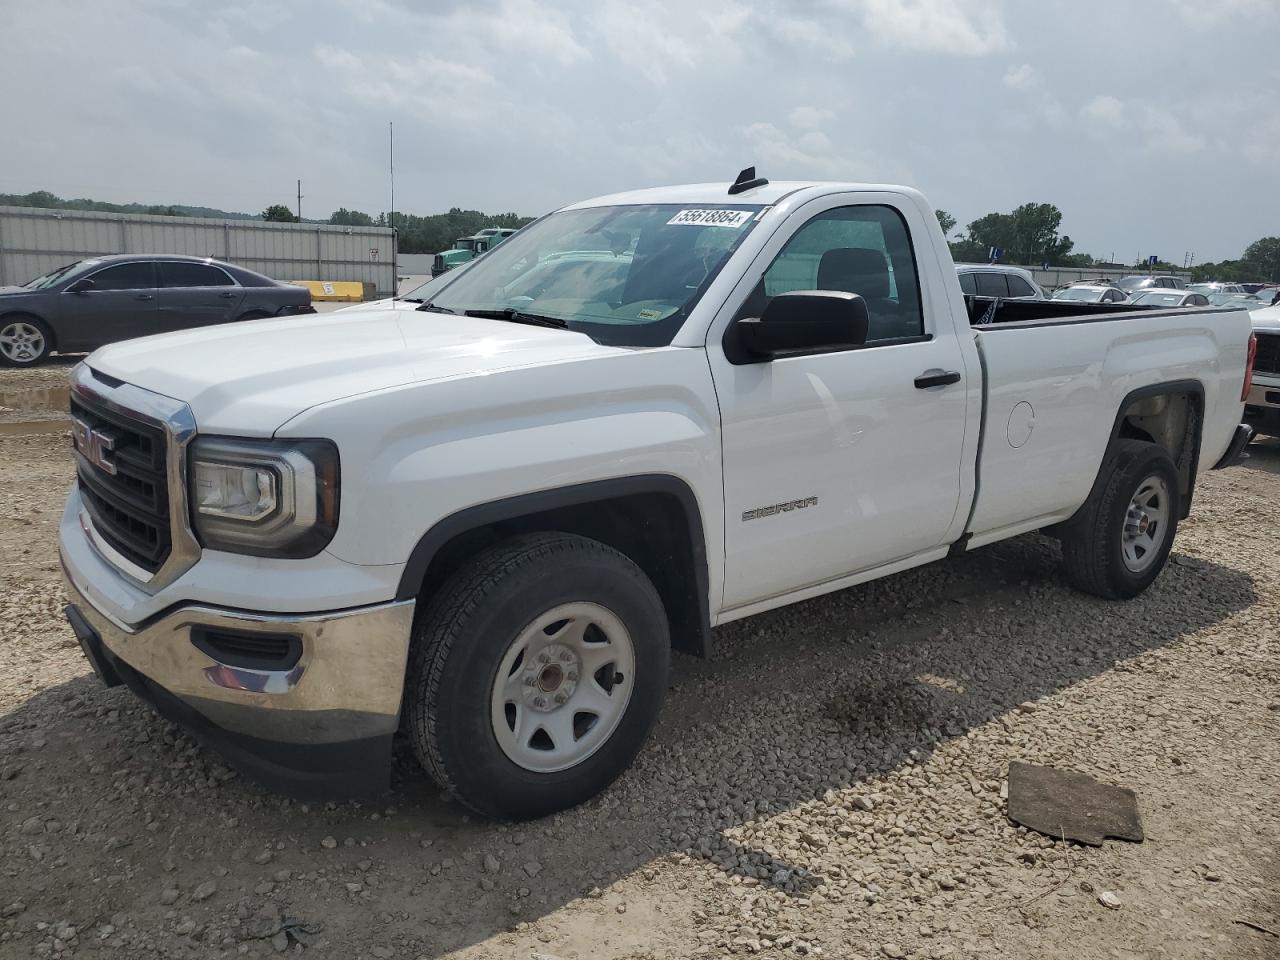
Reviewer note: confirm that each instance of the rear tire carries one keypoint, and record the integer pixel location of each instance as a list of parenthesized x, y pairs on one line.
[(1119, 542), (24, 341), (536, 674)]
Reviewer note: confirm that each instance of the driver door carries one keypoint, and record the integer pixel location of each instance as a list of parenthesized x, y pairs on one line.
[(842, 461)]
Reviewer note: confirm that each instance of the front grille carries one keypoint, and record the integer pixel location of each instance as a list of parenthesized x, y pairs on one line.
[(1268, 356), (130, 508)]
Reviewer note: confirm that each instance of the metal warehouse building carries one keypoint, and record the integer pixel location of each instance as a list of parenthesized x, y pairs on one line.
[(34, 241)]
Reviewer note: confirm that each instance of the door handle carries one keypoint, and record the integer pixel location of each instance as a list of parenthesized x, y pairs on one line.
[(144, 296), (226, 296), (939, 378)]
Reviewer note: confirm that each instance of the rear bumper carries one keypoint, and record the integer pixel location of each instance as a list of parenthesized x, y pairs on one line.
[(1235, 452), (319, 725)]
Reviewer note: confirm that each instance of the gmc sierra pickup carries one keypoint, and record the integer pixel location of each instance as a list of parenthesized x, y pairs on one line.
[(487, 520)]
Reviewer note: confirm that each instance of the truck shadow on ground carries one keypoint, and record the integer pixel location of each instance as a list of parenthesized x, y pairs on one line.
[(1264, 455), (822, 696)]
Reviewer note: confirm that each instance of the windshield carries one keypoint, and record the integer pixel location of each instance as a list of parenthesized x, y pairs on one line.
[(1204, 287), (625, 275), (1134, 283), (1153, 299), (1079, 293), (62, 273)]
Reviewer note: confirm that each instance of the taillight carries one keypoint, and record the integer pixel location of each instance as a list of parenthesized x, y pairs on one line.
[(1248, 366)]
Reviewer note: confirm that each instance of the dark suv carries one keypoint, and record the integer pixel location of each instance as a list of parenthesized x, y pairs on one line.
[(91, 302)]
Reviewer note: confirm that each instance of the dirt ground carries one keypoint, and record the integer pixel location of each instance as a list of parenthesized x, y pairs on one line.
[(829, 785)]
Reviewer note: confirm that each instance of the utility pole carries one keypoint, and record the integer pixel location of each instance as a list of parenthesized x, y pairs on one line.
[(299, 200), (391, 221)]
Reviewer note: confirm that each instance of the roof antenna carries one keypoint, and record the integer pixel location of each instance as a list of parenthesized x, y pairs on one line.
[(747, 180)]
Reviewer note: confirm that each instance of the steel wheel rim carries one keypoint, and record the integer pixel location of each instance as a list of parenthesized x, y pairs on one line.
[(21, 342), (1146, 524), (549, 709)]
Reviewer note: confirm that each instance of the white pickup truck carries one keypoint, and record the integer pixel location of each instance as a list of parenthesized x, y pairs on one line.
[(487, 520)]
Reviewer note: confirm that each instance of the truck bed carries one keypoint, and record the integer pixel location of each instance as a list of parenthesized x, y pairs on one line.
[(1055, 381)]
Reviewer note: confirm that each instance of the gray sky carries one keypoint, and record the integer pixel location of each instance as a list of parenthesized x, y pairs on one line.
[(1153, 124)]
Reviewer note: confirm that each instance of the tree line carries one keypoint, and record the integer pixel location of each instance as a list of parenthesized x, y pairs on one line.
[(1029, 235)]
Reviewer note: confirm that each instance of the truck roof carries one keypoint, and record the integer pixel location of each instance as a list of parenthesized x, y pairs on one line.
[(718, 193)]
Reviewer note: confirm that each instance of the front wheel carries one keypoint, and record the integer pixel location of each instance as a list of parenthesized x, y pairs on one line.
[(1121, 540), (536, 675), (24, 341)]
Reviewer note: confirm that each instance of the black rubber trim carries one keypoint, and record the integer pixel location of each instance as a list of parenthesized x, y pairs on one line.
[(529, 503), (213, 643), (1235, 453), (1110, 313)]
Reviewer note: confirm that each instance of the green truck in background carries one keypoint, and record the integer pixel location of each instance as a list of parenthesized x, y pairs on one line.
[(465, 249)]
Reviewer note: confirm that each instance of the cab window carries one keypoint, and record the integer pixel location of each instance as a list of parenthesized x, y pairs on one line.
[(864, 250)]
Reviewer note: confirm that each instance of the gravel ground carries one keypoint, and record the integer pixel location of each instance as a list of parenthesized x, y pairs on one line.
[(830, 785)]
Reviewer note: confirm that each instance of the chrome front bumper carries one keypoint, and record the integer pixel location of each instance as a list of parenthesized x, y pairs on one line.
[(322, 726)]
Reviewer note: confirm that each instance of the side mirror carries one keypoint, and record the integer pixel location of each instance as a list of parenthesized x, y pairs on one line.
[(81, 286), (805, 320)]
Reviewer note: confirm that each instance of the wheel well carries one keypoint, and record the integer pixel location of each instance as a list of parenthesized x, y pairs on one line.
[(23, 315), (661, 531), (1171, 418)]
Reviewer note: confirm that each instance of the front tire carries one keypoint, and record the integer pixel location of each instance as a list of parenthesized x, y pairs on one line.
[(1121, 540), (536, 674), (24, 341)]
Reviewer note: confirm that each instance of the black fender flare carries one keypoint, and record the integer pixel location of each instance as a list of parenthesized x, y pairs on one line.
[(541, 501)]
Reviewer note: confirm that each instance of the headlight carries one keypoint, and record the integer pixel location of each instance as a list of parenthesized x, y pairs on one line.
[(266, 498)]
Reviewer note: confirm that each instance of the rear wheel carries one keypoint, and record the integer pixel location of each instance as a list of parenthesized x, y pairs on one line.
[(536, 675), (24, 341), (1121, 540)]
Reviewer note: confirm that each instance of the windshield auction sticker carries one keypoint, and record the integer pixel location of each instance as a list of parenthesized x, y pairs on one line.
[(712, 218)]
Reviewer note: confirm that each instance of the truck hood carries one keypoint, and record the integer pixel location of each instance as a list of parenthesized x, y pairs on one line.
[(7, 291), (247, 379)]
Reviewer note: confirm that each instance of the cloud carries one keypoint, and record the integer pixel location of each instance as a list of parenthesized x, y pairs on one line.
[(966, 27), (1020, 77), (1149, 126), (1105, 109), (809, 118)]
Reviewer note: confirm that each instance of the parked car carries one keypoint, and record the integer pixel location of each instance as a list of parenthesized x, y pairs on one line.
[(1239, 300), (994, 280), (101, 300), (1091, 293), (1267, 296), (489, 527), (1262, 406), (1216, 287), (1169, 298), (1135, 284)]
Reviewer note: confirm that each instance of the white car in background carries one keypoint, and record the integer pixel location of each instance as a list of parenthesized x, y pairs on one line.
[(1091, 293), (1217, 287), (1137, 284), (1169, 298), (994, 280)]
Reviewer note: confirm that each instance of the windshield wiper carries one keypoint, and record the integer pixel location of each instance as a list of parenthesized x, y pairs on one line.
[(519, 316), (431, 307)]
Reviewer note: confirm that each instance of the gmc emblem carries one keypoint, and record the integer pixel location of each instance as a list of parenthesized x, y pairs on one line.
[(93, 445)]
